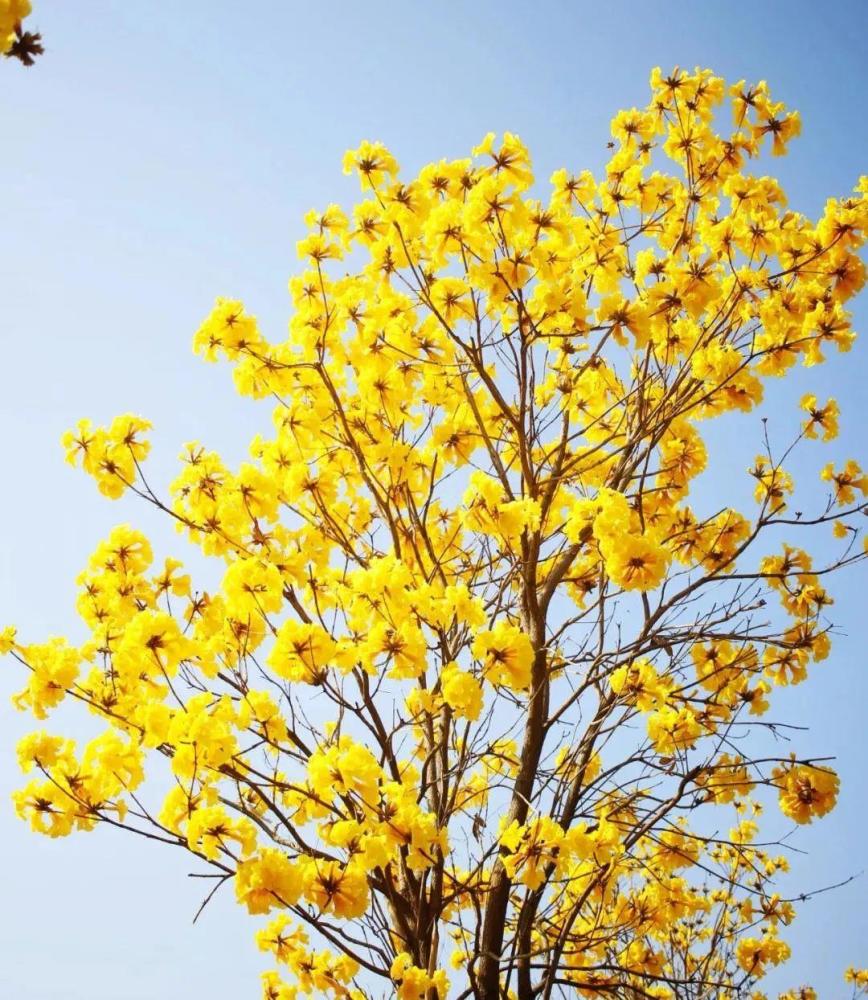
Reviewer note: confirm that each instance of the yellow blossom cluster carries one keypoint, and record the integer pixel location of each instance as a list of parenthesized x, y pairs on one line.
[(12, 13), (858, 978)]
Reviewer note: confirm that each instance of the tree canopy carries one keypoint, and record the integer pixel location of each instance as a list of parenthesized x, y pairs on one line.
[(480, 707)]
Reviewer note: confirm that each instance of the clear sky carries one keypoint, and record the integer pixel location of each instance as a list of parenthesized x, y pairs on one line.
[(160, 154)]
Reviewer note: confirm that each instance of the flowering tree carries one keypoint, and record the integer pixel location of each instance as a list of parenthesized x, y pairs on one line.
[(480, 689)]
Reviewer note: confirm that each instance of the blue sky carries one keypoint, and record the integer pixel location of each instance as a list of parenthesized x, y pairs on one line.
[(161, 154)]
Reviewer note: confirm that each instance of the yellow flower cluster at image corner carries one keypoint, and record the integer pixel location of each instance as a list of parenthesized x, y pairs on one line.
[(12, 13)]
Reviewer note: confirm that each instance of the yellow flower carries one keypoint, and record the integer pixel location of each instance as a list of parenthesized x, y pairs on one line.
[(846, 481), (211, 831), (639, 683), (635, 562), (506, 655), (531, 848), (857, 977), (755, 954), (302, 652), (12, 13), (268, 880), (805, 791), (46, 808), (461, 691), (413, 983), (672, 729), (372, 162), (273, 987), (451, 298), (42, 750), (344, 768), (7, 639), (252, 587), (334, 888), (820, 418), (54, 667), (111, 455)]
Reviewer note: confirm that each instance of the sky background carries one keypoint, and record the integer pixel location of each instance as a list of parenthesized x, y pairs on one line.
[(161, 154)]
